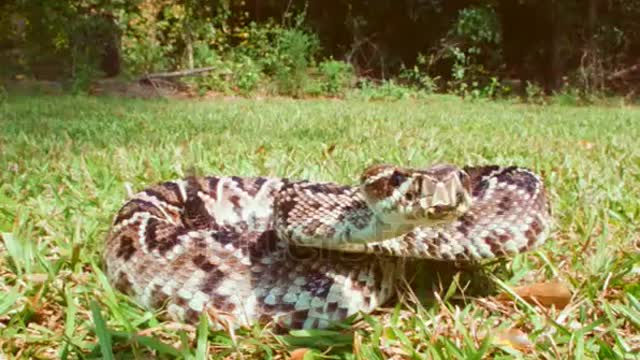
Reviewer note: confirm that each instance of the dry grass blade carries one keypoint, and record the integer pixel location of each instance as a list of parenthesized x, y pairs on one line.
[(513, 338)]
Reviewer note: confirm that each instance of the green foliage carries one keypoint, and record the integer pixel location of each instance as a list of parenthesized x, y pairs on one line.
[(473, 47), (296, 49), (337, 76), (88, 37), (534, 94), (386, 90), (284, 55), (288, 49), (220, 78), (478, 27), (157, 35), (144, 55), (568, 96), (247, 74), (240, 74), (419, 76), (64, 40), (245, 55)]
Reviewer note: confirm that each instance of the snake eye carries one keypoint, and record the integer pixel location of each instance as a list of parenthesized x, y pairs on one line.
[(464, 179), (397, 178)]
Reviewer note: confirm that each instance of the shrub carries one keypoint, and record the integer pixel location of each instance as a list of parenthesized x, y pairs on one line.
[(388, 89), (534, 93), (296, 49), (336, 76), (472, 45), (246, 74), (419, 77)]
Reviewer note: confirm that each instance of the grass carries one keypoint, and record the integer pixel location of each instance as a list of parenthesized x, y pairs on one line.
[(67, 161)]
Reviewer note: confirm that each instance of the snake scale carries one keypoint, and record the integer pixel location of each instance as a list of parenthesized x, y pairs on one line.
[(304, 254)]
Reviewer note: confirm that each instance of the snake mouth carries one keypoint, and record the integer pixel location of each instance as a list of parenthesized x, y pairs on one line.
[(441, 212)]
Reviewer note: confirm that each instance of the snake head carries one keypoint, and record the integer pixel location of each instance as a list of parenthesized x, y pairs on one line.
[(398, 195)]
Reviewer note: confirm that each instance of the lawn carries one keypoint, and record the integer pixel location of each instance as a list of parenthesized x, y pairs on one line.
[(66, 164)]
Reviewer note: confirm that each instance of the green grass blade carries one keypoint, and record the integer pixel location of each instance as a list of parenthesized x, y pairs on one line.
[(629, 312), (104, 337), (20, 253), (70, 316), (202, 343), (7, 300), (157, 345)]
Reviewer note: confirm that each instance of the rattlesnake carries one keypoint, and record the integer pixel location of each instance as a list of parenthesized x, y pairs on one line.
[(304, 254)]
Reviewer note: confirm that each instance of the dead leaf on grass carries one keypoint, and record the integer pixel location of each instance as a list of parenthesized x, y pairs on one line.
[(298, 354), (261, 150), (547, 294), (513, 338), (586, 144)]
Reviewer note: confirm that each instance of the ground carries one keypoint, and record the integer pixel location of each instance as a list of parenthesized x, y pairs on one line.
[(68, 162)]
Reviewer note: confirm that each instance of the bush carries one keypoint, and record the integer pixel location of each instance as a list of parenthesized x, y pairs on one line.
[(246, 74), (336, 76), (473, 46), (419, 77), (296, 49), (534, 94), (386, 90)]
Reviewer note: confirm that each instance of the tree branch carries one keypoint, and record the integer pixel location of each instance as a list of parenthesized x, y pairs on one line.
[(175, 74), (623, 72)]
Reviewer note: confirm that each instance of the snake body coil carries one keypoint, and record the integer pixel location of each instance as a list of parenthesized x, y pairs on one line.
[(303, 254)]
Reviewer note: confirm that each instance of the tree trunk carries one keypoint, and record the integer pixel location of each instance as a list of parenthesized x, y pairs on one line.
[(189, 44), (593, 79), (552, 61)]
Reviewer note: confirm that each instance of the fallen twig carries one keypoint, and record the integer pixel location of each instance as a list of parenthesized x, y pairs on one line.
[(175, 74)]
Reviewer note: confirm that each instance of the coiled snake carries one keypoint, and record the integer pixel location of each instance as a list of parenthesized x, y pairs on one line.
[(304, 254)]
